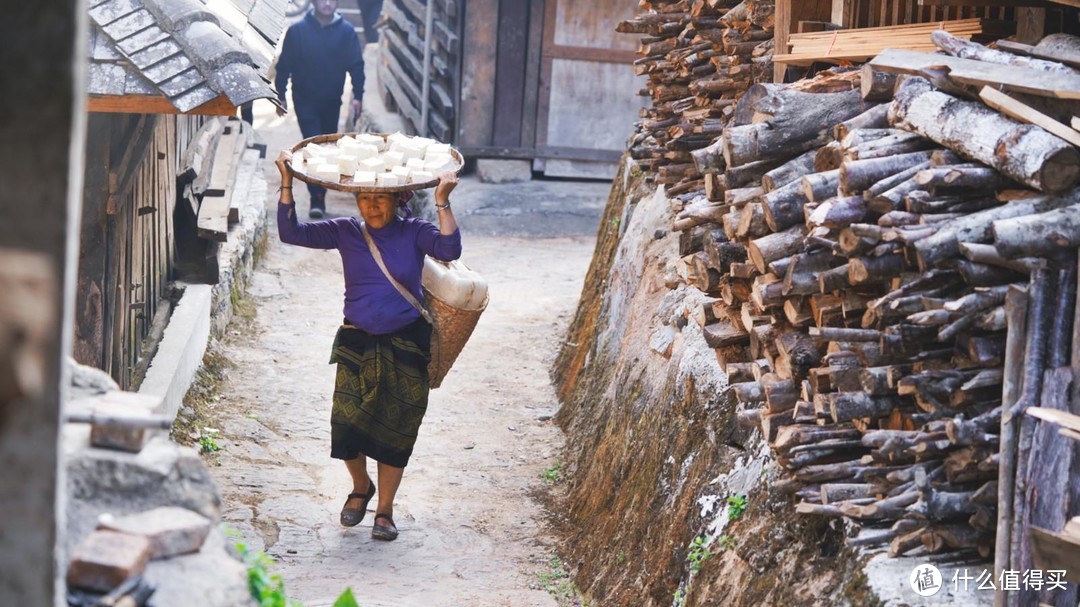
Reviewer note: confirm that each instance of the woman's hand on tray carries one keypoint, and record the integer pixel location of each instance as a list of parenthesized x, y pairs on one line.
[(447, 182)]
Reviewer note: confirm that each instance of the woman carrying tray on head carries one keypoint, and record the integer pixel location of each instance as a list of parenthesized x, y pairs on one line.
[(383, 348)]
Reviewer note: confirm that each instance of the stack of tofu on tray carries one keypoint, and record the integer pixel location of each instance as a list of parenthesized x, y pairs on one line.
[(375, 160)]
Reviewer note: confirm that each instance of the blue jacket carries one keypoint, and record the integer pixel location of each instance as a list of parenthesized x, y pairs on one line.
[(317, 57)]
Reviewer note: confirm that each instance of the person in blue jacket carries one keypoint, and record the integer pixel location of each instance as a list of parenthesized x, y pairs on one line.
[(317, 52)]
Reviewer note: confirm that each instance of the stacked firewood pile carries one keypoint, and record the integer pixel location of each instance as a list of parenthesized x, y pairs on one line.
[(858, 262), (699, 57)]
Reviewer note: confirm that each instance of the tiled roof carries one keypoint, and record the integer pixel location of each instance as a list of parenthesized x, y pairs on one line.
[(189, 51)]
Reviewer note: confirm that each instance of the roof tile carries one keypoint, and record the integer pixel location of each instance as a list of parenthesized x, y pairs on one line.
[(241, 83), (129, 25), (146, 38), (167, 69), (194, 98), (106, 79), (153, 54), (181, 83), (107, 12)]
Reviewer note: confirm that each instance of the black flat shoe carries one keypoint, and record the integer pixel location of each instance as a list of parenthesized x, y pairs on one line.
[(386, 533), (351, 517)]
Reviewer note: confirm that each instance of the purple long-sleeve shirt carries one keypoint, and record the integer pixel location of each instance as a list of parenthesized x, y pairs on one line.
[(371, 302)]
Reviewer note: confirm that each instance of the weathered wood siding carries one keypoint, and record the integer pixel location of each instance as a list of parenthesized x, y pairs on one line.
[(128, 241)]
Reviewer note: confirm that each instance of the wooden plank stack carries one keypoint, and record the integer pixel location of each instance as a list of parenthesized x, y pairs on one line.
[(860, 261), (699, 57), (863, 44)]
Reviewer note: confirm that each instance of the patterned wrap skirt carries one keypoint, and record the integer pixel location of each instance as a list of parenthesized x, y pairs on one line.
[(381, 393)]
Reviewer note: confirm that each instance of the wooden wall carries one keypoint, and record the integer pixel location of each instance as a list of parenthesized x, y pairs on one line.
[(127, 238), (401, 64)]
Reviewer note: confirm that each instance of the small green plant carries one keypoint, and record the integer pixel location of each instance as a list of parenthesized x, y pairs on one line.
[(727, 542), (621, 557), (268, 588), (736, 507), (208, 441), (699, 553), (680, 598), (346, 599), (552, 475), (265, 587)]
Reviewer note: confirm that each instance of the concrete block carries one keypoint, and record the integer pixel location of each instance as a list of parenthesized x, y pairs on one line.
[(171, 530), (181, 350), (497, 170), (208, 578), (106, 558), (124, 405)]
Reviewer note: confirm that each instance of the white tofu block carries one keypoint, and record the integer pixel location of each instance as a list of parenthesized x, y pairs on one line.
[(369, 139), (387, 180), (402, 172), (347, 164), (423, 143), (315, 161), (298, 160), (394, 138), (331, 153), (313, 150), (364, 178), (415, 164), (347, 141), (365, 150), (438, 162), (407, 150), (421, 177), (329, 172), (437, 148), (393, 159), (375, 165)]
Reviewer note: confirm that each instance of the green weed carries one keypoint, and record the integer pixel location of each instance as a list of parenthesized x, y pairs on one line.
[(267, 588), (736, 507), (208, 441), (552, 475), (699, 553)]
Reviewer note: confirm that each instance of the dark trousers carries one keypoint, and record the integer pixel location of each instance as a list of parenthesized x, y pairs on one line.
[(317, 118), (370, 10)]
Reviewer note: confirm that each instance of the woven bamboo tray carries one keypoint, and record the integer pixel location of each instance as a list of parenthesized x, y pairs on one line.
[(345, 183)]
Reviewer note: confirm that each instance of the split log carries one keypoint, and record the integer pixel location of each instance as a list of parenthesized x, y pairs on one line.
[(838, 212), (1023, 152), (876, 85), (828, 157), (769, 248), (966, 49), (875, 117)]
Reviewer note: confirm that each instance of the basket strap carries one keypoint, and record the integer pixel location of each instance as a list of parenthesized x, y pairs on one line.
[(397, 285)]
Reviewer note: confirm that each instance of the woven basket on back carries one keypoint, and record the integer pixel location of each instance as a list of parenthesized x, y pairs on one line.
[(452, 328)]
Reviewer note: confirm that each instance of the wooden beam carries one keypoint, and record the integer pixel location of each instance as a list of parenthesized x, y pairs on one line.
[(1025, 113), (1008, 3), (1061, 418), (148, 104), (969, 71)]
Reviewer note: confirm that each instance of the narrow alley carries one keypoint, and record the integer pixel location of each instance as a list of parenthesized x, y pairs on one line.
[(471, 532)]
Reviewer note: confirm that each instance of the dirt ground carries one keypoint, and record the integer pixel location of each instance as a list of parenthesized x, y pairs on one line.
[(470, 532)]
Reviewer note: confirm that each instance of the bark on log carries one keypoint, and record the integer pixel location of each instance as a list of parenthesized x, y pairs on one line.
[(828, 157), (845, 406), (749, 174), (1023, 152), (798, 122), (784, 207), (788, 172), (1046, 234), (820, 186), (858, 175), (965, 49), (838, 212), (875, 117), (977, 227)]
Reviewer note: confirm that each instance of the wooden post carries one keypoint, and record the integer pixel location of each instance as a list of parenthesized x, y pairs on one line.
[(425, 86), (41, 166)]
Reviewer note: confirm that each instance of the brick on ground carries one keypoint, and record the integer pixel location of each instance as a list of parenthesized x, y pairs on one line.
[(170, 530), (106, 558)]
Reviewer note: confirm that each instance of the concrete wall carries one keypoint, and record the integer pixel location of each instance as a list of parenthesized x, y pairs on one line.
[(42, 126)]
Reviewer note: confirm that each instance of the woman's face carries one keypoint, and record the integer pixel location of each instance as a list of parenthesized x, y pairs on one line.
[(376, 209)]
